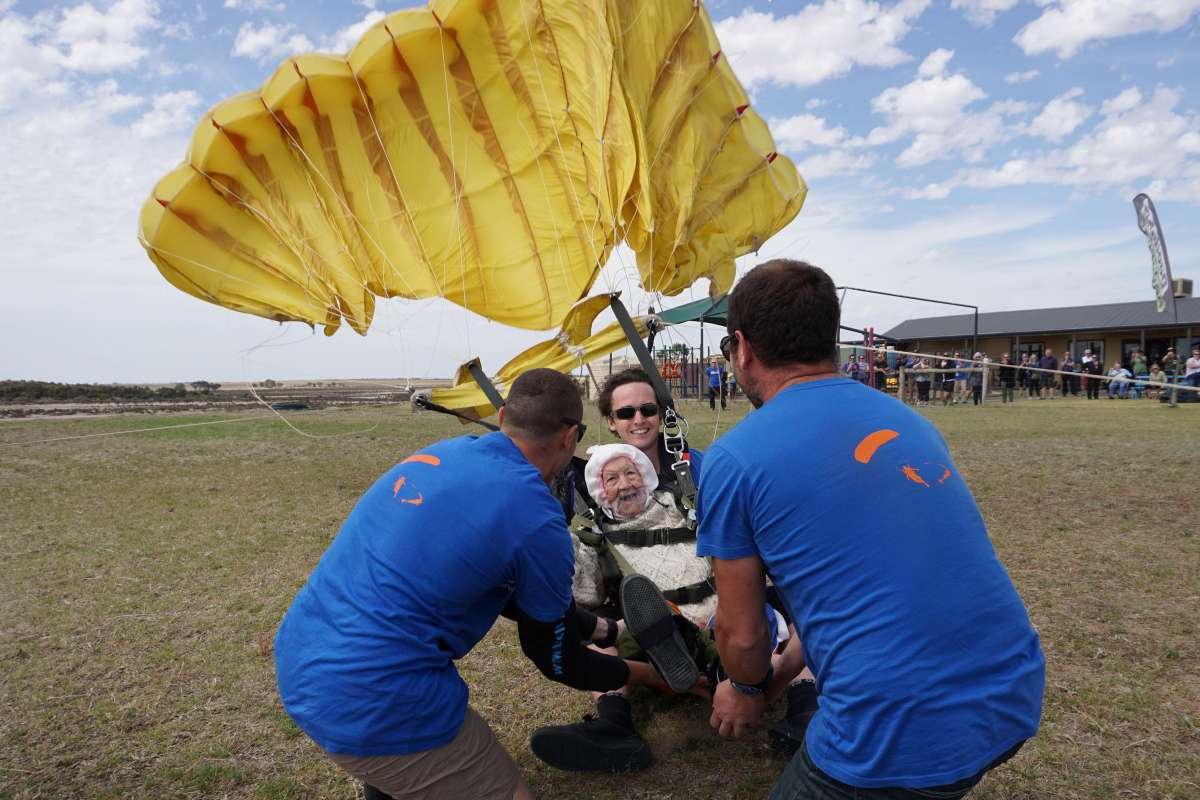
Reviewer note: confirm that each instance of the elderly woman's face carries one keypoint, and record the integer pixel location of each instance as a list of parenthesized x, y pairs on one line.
[(624, 488)]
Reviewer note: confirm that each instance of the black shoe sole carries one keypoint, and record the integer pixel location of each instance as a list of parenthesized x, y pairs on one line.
[(571, 751), (644, 606)]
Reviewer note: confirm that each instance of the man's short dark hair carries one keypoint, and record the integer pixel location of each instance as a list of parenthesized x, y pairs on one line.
[(622, 378), (788, 311), (539, 401)]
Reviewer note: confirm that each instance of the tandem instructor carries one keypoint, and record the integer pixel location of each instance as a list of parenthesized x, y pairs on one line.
[(444, 543), (928, 669)]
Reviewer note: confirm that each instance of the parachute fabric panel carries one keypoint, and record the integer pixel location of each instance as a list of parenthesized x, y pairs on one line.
[(489, 151), (712, 186)]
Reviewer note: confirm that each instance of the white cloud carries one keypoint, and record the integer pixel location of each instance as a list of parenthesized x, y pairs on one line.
[(835, 163), (822, 41), (1137, 143), (347, 37), (935, 111), (982, 13), (88, 40), (269, 41), (804, 130), (935, 63), (1067, 25), (815, 102), (255, 5), (1060, 117), (170, 112), (1021, 77)]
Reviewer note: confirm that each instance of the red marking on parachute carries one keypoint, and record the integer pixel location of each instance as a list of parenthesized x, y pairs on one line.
[(771, 157), (742, 109), (423, 458), (914, 475), (296, 67), (215, 124), (162, 202), (715, 57), (436, 17), (865, 450)]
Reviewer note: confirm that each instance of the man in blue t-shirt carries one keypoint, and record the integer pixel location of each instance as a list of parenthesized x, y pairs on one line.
[(444, 543), (716, 384), (928, 668)]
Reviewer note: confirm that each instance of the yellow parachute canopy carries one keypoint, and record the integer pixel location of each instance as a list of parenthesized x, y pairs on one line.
[(492, 152)]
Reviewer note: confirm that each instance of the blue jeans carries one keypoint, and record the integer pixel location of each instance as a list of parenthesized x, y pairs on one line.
[(803, 780), (1118, 387)]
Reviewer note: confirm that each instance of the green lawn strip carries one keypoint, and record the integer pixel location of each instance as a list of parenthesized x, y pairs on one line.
[(145, 575)]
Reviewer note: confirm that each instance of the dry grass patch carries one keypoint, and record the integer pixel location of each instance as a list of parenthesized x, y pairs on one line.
[(145, 575)]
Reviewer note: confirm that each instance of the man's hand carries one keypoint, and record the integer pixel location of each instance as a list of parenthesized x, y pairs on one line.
[(735, 713)]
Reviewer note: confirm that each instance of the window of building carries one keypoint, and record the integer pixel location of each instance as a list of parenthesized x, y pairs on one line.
[(1033, 349)]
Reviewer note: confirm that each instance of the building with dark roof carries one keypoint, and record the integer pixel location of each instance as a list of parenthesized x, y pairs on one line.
[(1111, 331)]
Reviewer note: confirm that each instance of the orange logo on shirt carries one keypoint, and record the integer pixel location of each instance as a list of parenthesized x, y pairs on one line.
[(873, 441), (419, 458), (914, 474)]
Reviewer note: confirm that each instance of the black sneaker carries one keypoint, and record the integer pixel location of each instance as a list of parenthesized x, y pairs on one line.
[(652, 624), (788, 735), (594, 745)]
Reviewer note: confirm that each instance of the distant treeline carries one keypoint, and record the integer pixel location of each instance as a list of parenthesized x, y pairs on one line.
[(44, 392)]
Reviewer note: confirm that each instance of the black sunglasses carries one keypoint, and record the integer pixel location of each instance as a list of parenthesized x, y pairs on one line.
[(727, 346), (580, 428), (627, 412)]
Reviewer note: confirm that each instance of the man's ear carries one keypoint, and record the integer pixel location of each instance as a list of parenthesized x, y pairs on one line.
[(501, 416), (744, 353)]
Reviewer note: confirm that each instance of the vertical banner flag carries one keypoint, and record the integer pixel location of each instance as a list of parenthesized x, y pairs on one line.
[(1159, 264)]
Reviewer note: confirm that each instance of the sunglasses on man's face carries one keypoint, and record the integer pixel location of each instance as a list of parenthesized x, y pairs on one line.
[(726, 346), (580, 428), (628, 412)]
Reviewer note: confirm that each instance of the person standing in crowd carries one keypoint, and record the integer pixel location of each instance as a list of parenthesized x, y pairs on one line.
[(1137, 364), (852, 367), (716, 384), (922, 382), (365, 656), (948, 379), (1008, 378), (929, 670), (881, 369), (977, 380), (1170, 364), (1192, 368), (1070, 381), (1092, 369), (1022, 373), (1048, 362), (961, 382), (1034, 378)]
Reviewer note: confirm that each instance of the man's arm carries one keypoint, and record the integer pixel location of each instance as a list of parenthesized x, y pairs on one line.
[(743, 643), (743, 638), (558, 651)]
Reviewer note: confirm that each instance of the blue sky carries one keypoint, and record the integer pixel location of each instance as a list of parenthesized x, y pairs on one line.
[(982, 151)]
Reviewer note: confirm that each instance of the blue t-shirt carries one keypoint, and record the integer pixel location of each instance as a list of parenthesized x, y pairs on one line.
[(714, 377), (415, 578), (924, 656), (961, 374)]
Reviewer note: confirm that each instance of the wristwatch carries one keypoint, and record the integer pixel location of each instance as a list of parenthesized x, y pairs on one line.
[(754, 689)]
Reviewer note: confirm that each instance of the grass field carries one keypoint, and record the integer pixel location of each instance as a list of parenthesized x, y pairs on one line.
[(143, 577)]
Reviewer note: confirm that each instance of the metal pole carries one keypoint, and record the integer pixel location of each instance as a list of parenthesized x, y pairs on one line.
[(975, 335)]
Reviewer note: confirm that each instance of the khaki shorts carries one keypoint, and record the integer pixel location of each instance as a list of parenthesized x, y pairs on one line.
[(473, 766)]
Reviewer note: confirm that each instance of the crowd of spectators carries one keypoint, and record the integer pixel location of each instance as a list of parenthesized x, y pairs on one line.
[(953, 379)]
